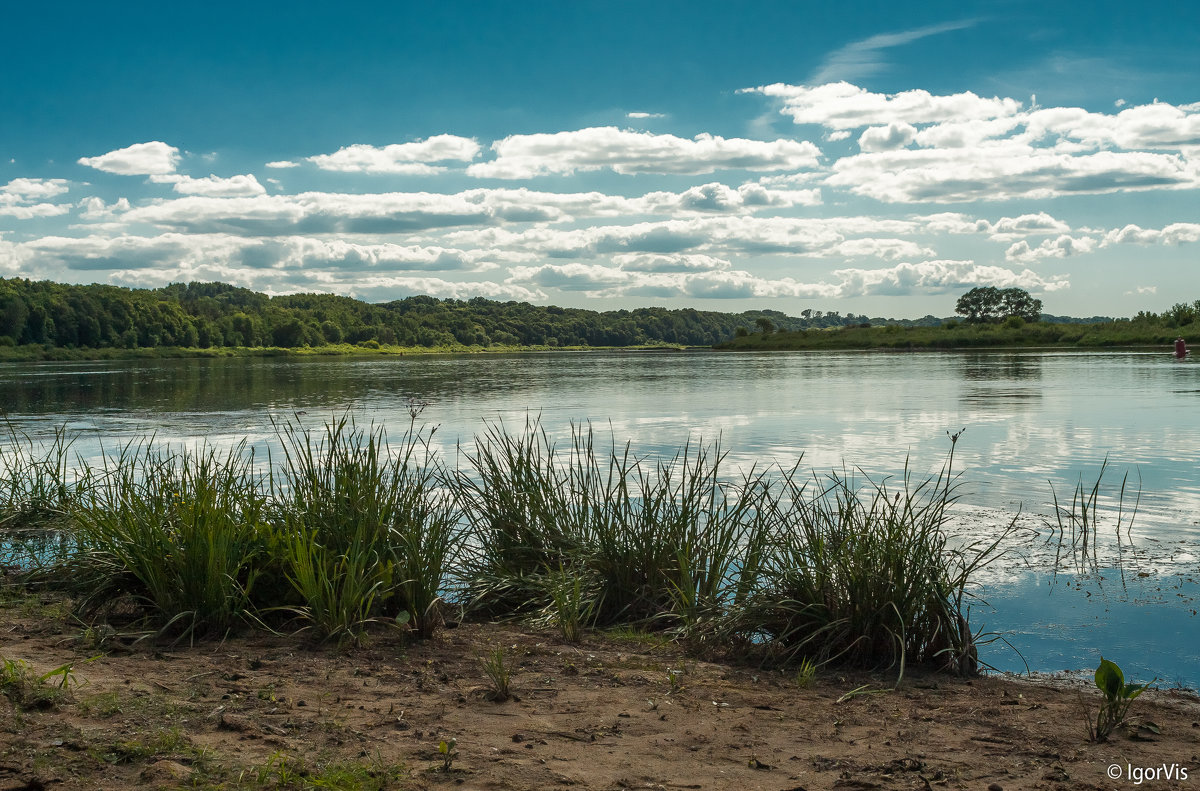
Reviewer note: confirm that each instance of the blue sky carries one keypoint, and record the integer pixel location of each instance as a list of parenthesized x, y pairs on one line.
[(867, 157)]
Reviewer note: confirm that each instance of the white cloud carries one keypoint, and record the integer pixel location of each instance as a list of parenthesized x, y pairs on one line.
[(1005, 171), (940, 277), (17, 198), (596, 280), (185, 252), (214, 186), (1175, 233), (669, 262), (928, 277), (1158, 125), (283, 163), (29, 212), (887, 138), (886, 249), (630, 152), (140, 159), (719, 198), (400, 158), (1007, 228), (645, 115), (1063, 246), (840, 105), (28, 190)]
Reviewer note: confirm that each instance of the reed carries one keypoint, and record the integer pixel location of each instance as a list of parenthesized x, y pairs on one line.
[(666, 541), (369, 529), (1078, 523), (178, 532), (344, 529), (864, 575)]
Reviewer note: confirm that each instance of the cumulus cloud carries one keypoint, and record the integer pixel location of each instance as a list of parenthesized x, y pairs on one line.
[(399, 158), (887, 138), (940, 277), (31, 211), (283, 163), (928, 277), (194, 251), (720, 198), (886, 249), (28, 190), (629, 152), (212, 186), (18, 198), (1175, 233), (596, 280), (140, 159), (1005, 171), (1063, 246), (669, 262), (1006, 228), (840, 105)]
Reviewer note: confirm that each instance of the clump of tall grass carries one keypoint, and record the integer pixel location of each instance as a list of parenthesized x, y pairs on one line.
[(38, 489), (663, 541), (364, 531), (864, 575), (36, 485), (180, 533)]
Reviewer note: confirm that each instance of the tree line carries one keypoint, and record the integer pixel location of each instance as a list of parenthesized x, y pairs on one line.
[(218, 315)]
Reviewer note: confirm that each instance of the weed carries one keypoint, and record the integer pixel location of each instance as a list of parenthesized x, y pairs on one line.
[(448, 753), (572, 603), (27, 689), (498, 671), (1117, 698), (806, 674), (1078, 524)]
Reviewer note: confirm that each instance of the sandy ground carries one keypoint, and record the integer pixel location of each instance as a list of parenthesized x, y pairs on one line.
[(612, 712)]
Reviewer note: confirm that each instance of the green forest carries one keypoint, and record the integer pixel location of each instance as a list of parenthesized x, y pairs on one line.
[(43, 319), (220, 316)]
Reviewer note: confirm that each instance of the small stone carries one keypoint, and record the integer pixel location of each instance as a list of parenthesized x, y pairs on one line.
[(995, 787)]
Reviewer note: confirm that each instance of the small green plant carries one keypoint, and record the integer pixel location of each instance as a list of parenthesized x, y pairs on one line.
[(1118, 696), (495, 665), (675, 679), (806, 674), (571, 606), (448, 753), (22, 685)]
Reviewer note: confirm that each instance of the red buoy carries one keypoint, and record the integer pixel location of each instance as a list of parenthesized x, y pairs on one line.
[(1180, 348)]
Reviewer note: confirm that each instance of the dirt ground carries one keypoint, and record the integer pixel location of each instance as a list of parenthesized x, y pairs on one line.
[(618, 711)]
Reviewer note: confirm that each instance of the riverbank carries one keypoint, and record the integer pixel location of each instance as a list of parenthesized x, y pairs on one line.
[(965, 336), (617, 710), (40, 353)]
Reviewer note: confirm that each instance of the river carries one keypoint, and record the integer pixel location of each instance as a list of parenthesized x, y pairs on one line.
[(1036, 422)]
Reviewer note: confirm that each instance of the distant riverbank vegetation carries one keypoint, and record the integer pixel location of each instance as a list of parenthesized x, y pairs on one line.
[(42, 320), (344, 533), (992, 317)]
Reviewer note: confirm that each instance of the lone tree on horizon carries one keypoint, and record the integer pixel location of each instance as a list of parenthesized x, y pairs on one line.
[(988, 304)]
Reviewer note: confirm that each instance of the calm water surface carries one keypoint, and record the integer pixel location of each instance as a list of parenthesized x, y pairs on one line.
[(1033, 420)]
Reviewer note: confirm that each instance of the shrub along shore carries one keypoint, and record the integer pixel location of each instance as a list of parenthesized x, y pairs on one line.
[(345, 532)]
